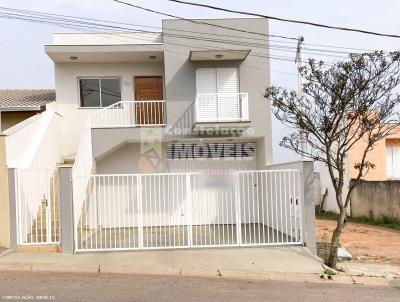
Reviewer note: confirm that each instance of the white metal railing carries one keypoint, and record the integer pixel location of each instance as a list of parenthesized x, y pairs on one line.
[(222, 107), (130, 114), (37, 207), (121, 114), (180, 210)]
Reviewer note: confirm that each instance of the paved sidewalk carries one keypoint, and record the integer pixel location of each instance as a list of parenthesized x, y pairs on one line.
[(252, 260), (270, 263)]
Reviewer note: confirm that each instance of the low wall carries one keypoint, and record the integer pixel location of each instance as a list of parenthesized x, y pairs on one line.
[(376, 199)]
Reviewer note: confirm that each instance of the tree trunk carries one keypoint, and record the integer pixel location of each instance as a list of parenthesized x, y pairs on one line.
[(335, 239)]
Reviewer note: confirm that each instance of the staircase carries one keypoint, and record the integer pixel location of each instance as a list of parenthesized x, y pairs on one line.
[(38, 232)]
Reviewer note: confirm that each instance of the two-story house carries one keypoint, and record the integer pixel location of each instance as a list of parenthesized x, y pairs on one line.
[(170, 139)]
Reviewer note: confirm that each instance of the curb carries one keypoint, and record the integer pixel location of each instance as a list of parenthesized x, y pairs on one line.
[(197, 272)]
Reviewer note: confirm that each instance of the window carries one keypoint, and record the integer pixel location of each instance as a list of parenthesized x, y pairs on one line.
[(217, 80), (101, 92), (217, 94), (393, 159)]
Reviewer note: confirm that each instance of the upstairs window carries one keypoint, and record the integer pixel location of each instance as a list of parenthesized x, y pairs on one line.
[(217, 80), (393, 159), (99, 92)]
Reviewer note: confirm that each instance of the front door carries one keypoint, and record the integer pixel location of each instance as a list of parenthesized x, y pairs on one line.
[(148, 96)]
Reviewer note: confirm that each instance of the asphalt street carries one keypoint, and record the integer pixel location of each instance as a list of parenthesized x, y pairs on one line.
[(44, 286)]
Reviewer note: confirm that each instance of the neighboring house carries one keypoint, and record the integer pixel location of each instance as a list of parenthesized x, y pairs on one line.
[(17, 105), (385, 156), (378, 195), (170, 140)]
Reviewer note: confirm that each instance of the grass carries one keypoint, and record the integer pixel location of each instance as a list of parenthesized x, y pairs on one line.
[(383, 221)]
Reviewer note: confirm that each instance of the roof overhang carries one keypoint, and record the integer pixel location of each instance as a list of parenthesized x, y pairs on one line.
[(22, 109), (219, 55), (105, 53)]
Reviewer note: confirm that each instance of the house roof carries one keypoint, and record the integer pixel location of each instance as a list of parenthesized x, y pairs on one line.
[(25, 99)]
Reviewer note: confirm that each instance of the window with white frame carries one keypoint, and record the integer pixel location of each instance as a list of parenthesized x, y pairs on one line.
[(99, 92), (218, 93), (393, 159)]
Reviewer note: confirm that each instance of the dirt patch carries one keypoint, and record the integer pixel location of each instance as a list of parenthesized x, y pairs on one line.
[(366, 243)]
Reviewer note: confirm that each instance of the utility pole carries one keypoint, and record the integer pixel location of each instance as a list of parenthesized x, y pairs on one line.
[(299, 61)]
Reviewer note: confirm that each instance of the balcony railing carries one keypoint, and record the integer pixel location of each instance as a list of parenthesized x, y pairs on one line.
[(222, 107), (130, 114)]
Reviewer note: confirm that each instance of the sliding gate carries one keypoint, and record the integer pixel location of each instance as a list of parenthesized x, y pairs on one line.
[(182, 210)]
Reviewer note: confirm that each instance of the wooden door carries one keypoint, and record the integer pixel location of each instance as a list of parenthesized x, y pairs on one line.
[(148, 95)]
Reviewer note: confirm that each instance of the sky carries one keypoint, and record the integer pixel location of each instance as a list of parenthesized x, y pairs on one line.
[(23, 63)]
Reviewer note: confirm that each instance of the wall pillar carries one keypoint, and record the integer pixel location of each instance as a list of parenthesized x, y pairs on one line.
[(4, 200), (66, 209), (12, 198), (309, 206), (306, 169)]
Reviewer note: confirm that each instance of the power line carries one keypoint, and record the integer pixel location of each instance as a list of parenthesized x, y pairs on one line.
[(70, 23), (286, 20), (78, 27), (91, 27), (143, 26), (166, 29), (27, 15), (202, 22)]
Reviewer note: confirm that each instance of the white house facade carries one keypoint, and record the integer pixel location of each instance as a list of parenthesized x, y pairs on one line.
[(159, 140)]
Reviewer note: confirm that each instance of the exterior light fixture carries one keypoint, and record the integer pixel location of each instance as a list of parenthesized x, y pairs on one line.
[(219, 56), (73, 58)]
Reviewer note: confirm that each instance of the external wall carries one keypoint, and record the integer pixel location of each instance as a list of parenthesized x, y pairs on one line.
[(123, 160), (67, 93), (4, 205), (127, 158), (48, 152), (326, 184), (376, 156), (9, 119), (180, 75), (376, 199)]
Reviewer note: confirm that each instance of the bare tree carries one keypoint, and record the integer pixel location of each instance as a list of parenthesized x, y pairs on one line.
[(351, 102)]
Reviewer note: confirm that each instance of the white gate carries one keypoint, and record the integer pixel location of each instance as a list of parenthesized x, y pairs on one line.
[(182, 210), (37, 207)]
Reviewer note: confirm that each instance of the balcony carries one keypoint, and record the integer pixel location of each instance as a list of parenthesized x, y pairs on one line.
[(222, 108), (130, 114)]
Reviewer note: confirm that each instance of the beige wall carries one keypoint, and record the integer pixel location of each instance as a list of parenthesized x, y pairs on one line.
[(377, 156), (4, 208), (9, 119)]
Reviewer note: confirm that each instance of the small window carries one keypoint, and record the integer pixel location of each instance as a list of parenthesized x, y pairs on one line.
[(393, 159), (100, 92)]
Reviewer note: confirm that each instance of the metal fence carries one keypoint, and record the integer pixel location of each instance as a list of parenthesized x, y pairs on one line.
[(130, 114), (181, 210), (222, 107), (37, 207)]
